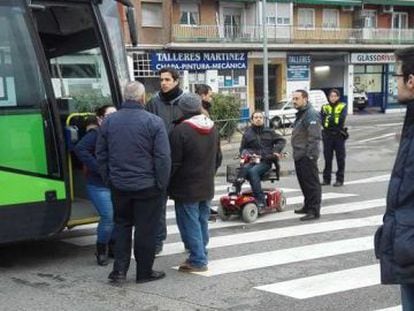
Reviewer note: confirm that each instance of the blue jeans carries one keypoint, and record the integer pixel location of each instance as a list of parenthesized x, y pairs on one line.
[(253, 173), (192, 221), (101, 199), (407, 297)]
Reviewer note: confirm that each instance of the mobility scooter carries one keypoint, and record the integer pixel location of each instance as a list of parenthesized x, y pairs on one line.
[(243, 203)]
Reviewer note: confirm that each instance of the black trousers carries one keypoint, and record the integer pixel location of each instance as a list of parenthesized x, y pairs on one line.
[(142, 210), (308, 178), (333, 143)]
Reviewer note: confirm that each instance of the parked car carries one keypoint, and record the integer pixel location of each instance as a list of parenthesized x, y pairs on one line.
[(283, 113), (360, 100)]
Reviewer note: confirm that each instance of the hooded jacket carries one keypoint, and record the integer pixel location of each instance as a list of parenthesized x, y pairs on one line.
[(195, 157), (394, 242)]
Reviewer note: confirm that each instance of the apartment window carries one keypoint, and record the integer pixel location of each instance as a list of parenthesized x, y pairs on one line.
[(151, 14), (278, 13), (306, 18), (370, 19), (189, 14), (330, 18), (400, 20)]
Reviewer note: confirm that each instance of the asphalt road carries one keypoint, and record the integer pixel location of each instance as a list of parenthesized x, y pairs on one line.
[(276, 263)]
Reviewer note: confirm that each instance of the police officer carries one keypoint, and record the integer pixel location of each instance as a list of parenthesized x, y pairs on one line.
[(333, 117), (306, 137)]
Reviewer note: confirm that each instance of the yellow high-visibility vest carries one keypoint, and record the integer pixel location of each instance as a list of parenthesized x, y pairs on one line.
[(336, 112)]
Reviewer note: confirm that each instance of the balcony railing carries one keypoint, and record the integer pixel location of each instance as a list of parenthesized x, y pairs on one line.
[(291, 34)]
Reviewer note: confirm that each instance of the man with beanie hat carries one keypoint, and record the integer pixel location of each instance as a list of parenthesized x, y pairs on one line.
[(206, 93), (194, 156), (164, 105)]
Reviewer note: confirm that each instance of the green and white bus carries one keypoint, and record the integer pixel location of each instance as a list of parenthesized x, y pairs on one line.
[(57, 58)]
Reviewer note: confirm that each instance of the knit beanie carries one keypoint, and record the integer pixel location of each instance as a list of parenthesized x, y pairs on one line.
[(190, 103)]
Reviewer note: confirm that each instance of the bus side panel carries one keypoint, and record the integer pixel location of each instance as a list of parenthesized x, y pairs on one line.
[(32, 221), (23, 142)]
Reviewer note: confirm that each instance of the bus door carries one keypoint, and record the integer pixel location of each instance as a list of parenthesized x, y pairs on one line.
[(33, 196), (78, 62)]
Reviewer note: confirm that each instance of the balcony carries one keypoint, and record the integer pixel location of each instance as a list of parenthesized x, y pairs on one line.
[(290, 34)]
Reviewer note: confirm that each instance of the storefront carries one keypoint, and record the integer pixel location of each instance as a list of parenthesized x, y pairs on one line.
[(225, 72), (372, 74)]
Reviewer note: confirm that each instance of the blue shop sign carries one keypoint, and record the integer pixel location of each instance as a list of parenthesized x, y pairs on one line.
[(299, 59), (298, 72), (199, 61)]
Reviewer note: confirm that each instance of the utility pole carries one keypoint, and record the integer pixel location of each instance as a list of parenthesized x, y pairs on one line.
[(265, 65)]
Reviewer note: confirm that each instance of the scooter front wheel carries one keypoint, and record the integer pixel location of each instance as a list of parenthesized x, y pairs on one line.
[(282, 204), (222, 213), (250, 212)]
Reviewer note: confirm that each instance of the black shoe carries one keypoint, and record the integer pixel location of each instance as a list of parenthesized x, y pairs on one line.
[(213, 212), (338, 184), (301, 211), (155, 275), (325, 183), (158, 249), (101, 254), (310, 216), (117, 276)]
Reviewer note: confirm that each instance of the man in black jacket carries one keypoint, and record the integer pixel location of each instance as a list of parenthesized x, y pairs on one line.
[(165, 105), (263, 144), (306, 137), (133, 155), (394, 243), (194, 157)]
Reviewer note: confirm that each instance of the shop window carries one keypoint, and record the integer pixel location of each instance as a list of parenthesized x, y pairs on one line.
[(330, 18), (151, 14), (142, 66), (189, 14), (306, 18)]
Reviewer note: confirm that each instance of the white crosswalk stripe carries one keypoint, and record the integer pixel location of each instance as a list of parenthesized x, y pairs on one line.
[(327, 283), (351, 215)]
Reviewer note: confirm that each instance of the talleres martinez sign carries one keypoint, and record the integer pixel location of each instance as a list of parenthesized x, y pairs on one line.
[(199, 61)]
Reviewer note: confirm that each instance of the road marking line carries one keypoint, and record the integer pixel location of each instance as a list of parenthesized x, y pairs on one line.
[(287, 256), (375, 138), (326, 210), (396, 308), (370, 180), (278, 233), (327, 283)]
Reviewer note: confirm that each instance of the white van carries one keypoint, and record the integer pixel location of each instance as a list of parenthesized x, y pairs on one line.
[(284, 113), (317, 98)]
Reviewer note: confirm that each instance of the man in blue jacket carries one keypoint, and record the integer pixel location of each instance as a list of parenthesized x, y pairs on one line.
[(133, 155), (394, 240)]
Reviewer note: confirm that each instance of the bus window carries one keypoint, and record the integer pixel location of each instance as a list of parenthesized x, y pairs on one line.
[(81, 78), (26, 129)]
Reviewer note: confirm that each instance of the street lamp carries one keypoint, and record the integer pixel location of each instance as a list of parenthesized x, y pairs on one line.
[(265, 65)]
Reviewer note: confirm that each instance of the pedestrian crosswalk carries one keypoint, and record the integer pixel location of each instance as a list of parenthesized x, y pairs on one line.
[(345, 229)]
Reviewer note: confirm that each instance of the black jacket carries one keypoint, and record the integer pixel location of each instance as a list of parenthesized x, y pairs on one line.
[(306, 134), (166, 107), (194, 155), (394, 240), (132, 150), (262, 141)]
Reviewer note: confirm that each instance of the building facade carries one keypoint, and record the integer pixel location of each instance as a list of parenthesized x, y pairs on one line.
[(312, 44)]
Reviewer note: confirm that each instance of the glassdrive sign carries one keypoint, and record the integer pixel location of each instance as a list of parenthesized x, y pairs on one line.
[(199, 61)]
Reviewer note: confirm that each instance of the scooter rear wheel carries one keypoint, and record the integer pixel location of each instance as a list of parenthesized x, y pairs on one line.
[(222, 213), (282, 204), (250, 212)]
